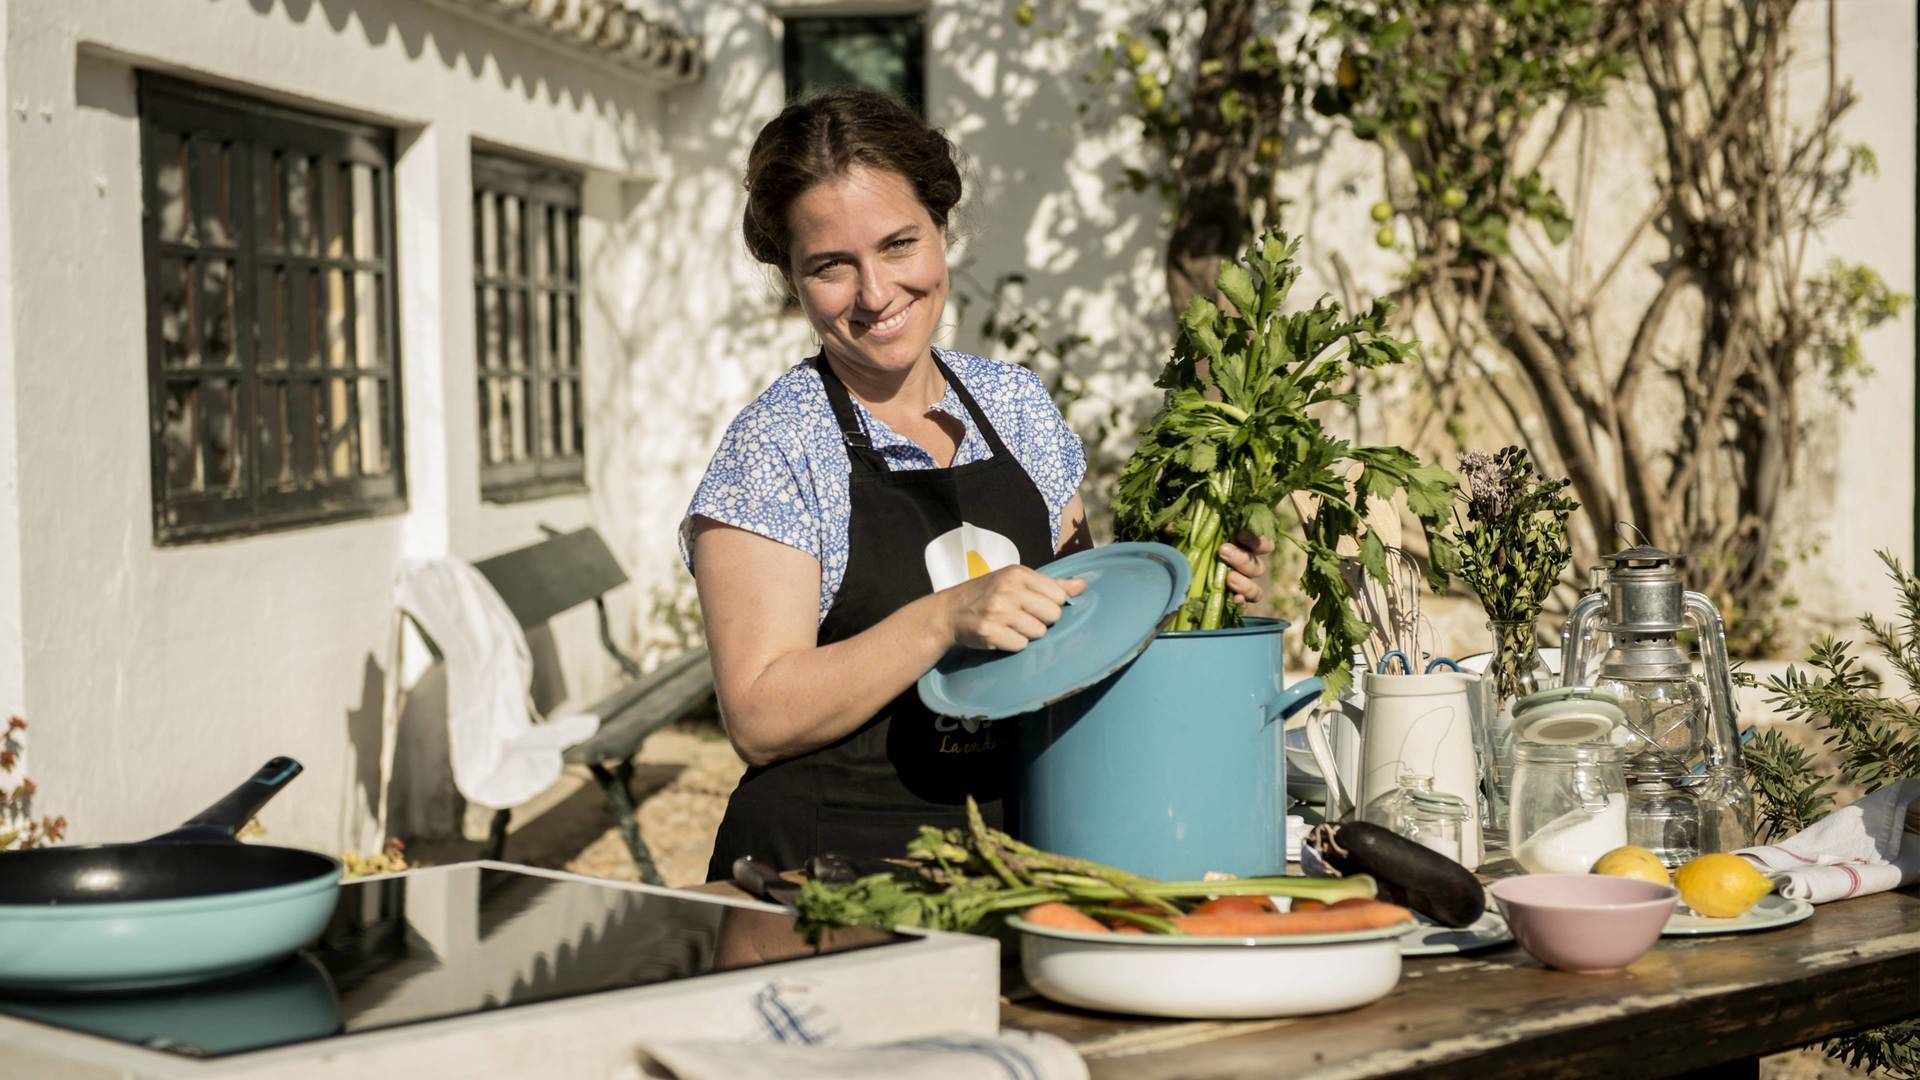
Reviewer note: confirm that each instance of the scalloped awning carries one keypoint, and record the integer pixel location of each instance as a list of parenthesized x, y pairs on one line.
[(612, 30)]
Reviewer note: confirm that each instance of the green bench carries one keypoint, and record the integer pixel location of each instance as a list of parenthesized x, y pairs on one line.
[(557, 574)]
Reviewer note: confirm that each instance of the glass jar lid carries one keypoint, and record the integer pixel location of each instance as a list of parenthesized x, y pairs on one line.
[(1438, 804), (1567, 715), (1556, 754)]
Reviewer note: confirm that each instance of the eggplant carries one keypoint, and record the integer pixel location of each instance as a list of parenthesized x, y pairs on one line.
[(1410, 874)]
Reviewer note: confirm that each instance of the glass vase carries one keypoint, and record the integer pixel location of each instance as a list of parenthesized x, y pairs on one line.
[(1515, 670)]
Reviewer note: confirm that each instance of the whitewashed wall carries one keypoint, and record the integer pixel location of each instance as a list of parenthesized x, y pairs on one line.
[(156, 678)]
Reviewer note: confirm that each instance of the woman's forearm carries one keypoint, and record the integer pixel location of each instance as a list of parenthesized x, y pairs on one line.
[(811, 697)]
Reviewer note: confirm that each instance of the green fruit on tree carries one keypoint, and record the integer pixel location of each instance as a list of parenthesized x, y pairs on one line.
[(1270, 146), (1382, 211), (1453, 198), (1023, 14), (1136, 53), (1384, 237), (1415, 128)]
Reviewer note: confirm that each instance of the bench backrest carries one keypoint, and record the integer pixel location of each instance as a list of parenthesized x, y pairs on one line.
[(544, 579)]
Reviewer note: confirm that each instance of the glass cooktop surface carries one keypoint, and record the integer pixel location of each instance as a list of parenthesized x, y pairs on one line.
[(440, 943)]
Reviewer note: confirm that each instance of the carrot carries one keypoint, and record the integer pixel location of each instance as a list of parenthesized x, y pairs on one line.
[(1369, 916), (1124, 913), (1301, 903), (1058, 916), (1236, 905)]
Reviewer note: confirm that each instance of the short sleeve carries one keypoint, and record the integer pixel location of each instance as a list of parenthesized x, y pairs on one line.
[(1047, 448), (758, 481)]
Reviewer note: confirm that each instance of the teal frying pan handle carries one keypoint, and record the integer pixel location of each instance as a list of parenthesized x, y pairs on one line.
[(1296, 697), (224, 819)]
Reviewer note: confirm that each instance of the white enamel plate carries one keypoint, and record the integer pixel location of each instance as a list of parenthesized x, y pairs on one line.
[(1772, 912)]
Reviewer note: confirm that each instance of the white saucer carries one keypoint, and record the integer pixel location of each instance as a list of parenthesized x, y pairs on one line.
[(1772, 912), (1429, 939)]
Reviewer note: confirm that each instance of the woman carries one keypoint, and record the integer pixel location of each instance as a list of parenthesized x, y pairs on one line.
[(878, 505)]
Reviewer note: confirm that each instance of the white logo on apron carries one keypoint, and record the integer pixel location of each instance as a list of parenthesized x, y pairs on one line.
[(960, 555)]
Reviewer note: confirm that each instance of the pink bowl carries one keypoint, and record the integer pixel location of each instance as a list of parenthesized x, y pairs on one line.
[(1585, 922)]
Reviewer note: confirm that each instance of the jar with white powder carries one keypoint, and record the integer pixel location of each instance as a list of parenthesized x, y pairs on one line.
[(1569, 806)]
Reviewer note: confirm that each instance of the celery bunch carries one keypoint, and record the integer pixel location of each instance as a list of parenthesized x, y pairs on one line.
[(1238, 433)]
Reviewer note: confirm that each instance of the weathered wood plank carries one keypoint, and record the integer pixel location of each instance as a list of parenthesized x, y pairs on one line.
[(1688, 1004)]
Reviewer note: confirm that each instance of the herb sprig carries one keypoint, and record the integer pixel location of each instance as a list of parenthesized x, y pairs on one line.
[(1512, 539)]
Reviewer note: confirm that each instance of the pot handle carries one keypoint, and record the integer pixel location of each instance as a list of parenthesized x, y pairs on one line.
[(224, 819), (1296, 697)]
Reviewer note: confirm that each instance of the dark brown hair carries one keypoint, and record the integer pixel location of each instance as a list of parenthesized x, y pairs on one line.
[(825, 136)]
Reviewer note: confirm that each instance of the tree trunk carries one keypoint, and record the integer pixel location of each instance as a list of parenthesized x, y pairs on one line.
[(1211, 221)]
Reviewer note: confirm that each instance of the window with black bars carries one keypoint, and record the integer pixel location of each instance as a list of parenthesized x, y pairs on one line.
[(881, 52), (273, 357), (526, 302)]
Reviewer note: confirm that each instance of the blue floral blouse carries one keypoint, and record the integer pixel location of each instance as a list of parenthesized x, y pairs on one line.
[(781, 469)]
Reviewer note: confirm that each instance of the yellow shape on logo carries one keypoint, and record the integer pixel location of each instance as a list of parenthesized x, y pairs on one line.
[(976, 565)]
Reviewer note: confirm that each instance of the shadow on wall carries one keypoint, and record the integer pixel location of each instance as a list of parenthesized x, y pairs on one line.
[(698, 324), (422, 801), (463, 44)]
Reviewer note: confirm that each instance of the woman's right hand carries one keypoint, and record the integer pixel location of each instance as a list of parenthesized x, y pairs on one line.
[(1006, 609)]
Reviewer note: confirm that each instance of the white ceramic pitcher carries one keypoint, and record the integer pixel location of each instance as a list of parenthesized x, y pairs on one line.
[(1413, 723)]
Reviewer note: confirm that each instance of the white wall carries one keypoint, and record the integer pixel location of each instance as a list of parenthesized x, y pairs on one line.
[(156, 678)]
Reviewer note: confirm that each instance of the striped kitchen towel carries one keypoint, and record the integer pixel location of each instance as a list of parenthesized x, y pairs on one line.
[(1868, 847), (1010, 1055)]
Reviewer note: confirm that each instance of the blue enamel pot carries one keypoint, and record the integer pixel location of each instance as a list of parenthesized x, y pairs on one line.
[(1174, 765)]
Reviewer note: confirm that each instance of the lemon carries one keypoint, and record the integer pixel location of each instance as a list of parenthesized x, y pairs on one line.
[(1720, 886), (1634, 862)]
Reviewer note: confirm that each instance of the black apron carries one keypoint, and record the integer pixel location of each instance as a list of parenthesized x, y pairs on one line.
[(868, 794)]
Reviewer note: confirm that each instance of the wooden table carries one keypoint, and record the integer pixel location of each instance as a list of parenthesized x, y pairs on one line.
[(1690, 1004), (1705, 1005)]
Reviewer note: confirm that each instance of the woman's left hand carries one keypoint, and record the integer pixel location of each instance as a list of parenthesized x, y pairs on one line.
[(1246, 565)]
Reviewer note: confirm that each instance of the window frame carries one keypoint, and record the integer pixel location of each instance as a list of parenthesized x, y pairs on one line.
[(169, 106), (916, 58), (501, 175)]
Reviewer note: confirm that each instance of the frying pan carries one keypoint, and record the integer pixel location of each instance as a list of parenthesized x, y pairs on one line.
[(187, 905)]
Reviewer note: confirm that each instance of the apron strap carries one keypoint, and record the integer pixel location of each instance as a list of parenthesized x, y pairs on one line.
[(973, 409), (854, 436)]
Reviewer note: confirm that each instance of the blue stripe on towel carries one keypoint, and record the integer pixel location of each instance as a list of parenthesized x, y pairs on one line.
[(1018, 1065)]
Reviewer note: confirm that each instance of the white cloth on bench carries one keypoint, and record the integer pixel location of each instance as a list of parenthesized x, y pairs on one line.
[(501, 758)]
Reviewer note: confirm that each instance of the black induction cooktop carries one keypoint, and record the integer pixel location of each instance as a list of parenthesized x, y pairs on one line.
[(441, 943)]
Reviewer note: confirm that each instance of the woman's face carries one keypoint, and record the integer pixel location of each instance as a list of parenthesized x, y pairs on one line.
[(869, 267)]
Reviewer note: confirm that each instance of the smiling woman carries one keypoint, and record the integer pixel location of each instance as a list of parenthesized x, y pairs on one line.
[(879, 504)]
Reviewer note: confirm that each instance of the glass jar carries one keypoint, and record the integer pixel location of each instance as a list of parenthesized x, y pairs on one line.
[(1663, 816), (1569, 807), (1386, 808), (1726, 810), (1435, 820)]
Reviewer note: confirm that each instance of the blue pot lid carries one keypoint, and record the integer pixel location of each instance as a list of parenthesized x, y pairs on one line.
[(1131, 590)]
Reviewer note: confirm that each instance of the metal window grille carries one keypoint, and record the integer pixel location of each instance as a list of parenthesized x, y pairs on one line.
[(526, 301), (273, 352), (887, 53)]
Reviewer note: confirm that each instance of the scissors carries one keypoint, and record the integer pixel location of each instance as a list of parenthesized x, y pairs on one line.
[(1432, 665)]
